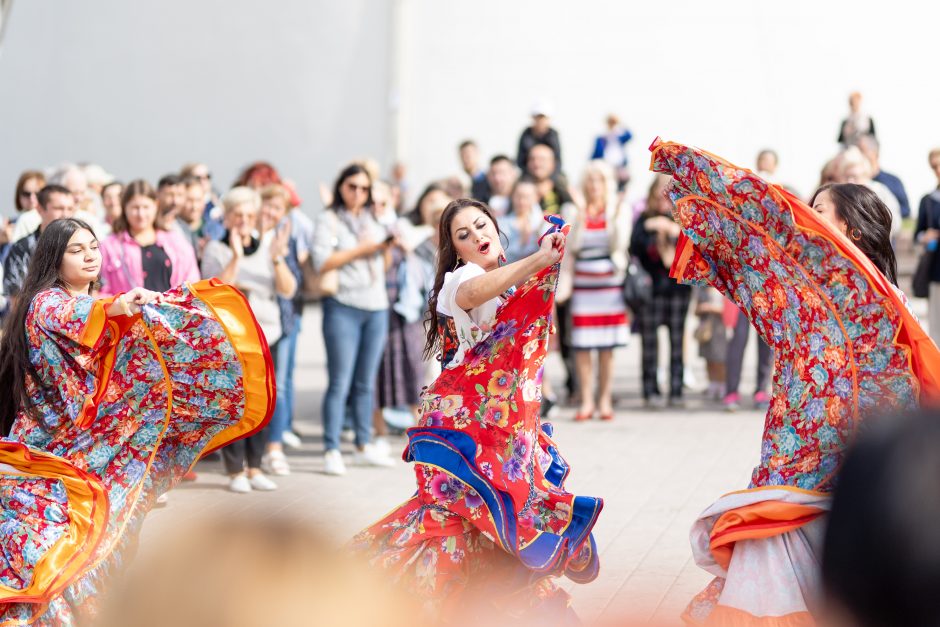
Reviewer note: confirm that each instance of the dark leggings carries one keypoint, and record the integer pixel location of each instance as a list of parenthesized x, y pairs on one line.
[(670, 310), (735, 359), (245, 452)]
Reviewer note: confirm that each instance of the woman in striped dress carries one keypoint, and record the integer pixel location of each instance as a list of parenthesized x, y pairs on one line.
[(598, 247)]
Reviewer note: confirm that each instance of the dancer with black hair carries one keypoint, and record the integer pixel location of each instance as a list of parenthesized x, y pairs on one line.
[(105, 404), (821, 293), (491, 524)]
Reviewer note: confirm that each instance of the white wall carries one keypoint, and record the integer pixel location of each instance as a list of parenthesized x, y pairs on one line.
[(729, 76), (143, 87)]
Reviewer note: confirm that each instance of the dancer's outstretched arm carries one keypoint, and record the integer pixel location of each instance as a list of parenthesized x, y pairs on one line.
[(486, 287)]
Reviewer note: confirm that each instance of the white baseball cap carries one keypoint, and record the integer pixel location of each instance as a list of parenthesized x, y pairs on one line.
[(542, 107)]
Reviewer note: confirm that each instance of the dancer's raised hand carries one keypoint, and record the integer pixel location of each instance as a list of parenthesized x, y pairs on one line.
[(552, 247)]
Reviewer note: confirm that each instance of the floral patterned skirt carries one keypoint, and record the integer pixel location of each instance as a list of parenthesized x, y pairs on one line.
[(185, 377), (491, 524)]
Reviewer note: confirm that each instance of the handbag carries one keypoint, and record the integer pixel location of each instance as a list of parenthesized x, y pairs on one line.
[(637, 287), (318, 285), (705, 330), (920, 282)]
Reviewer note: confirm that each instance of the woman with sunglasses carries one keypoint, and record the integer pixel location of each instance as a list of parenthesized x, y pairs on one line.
[(26, 201), (349, 240)]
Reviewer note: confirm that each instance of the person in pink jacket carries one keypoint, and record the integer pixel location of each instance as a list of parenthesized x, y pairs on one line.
[(141, 252)]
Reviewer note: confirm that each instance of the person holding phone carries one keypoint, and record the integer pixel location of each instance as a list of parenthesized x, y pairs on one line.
[(349, 239)]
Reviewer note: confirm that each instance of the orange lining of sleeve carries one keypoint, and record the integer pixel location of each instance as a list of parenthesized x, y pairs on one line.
[(94, 330), (684, 250), (88, 511), (232, 311)]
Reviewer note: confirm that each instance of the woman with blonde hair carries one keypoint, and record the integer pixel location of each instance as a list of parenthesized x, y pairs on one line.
[(854, 167), (598, 253), (255, 264)]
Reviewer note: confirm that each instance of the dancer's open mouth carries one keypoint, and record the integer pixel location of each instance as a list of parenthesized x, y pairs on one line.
[(484, 248)]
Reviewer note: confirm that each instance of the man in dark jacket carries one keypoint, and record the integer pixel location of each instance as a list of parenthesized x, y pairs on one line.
[(541, 132), (870, 148)]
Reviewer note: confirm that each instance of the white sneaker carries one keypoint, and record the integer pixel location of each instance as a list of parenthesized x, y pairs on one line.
[(333, 463), (239, 484), (371, 455), (275, 463), (291, 440), (382, 445), (262, 483), (396, 418), (163, 499)]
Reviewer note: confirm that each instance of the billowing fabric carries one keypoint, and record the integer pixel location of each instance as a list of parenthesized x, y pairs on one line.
[(845, 344), (123, 408), (491, 521)]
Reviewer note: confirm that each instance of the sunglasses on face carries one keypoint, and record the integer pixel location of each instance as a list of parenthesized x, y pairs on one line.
[(26, 194), (204, 177), (357, 188)]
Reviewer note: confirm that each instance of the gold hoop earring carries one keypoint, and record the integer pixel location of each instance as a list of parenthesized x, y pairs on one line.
[(856, 234), (457, 265)]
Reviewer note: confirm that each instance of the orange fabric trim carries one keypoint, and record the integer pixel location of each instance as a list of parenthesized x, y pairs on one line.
[(684, 250), (726, 616), (88, 508), (94, 331), (759, 520), (95, 326), (232, 310)]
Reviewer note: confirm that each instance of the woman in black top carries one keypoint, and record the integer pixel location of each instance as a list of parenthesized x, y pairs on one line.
[(653, 243)]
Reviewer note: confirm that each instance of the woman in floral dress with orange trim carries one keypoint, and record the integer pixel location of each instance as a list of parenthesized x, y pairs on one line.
[(819, 291), (491, 524), (104, 405)]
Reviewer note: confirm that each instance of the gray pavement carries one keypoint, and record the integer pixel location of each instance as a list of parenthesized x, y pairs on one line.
[(655, 470)]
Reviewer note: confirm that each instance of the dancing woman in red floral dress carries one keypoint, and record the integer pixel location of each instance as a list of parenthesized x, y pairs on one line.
[(491, 524)]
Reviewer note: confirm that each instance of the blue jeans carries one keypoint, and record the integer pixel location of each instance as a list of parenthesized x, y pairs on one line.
[(355, 341), (284, 353)]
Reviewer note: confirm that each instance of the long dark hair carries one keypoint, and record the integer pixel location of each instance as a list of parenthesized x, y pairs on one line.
[(868, 223), (15, 367), (446, 262), (350, 170), (415, 214)]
